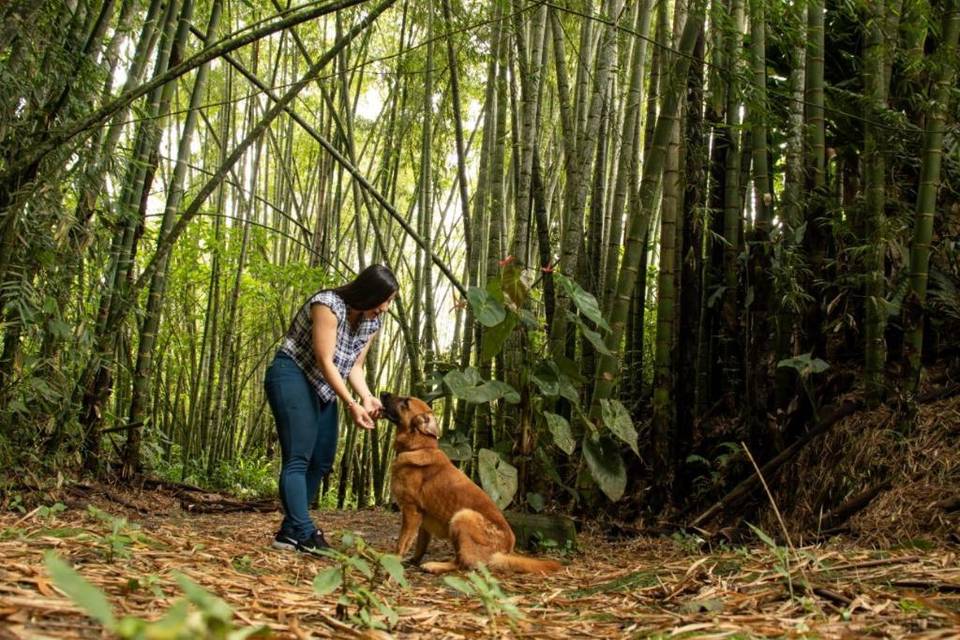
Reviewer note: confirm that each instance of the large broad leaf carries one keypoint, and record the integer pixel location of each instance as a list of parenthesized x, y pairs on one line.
[(568, 391), (617, 419), (515, 284), (804, 364), (586, 303), (490, 391), (456, 445), (84, 594), (595, 338), (498, 477), (560, 430), (494, 337), (546, 378), (569, 368), (606, 465), (486, 309), (458, 381)]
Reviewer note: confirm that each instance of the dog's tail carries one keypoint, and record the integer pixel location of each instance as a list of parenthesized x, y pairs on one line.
[(522, 564)]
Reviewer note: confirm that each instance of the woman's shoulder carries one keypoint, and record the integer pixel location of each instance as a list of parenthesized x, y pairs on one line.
[(330, 299)]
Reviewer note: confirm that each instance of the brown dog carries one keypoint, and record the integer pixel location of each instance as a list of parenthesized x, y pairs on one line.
[(437, 499)]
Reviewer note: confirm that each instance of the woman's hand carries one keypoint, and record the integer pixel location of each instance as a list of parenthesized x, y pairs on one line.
[(360, 416), (373, 407)]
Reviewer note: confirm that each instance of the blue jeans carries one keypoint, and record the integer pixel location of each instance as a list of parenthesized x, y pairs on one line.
[(307, 427)]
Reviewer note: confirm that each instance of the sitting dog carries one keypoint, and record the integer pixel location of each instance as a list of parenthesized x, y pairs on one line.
[(437, 499)]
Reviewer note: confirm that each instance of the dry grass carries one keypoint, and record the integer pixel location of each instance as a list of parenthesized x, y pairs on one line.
[(610, 589), (921, 461)]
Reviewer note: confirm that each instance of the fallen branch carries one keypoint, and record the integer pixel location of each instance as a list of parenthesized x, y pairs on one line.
[(853, 506), (948, 587), (227, 506)]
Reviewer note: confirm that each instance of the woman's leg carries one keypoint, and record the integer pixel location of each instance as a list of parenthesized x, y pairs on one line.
[(325, 447), (293, 402)]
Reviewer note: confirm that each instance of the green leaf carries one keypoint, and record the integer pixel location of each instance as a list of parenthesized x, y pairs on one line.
[(486, 309), (494, 338), (547, 379), (536, 502), (498, 477), (606, 466), (85, 595), (459, 584), (560, 430), (490, 391), (515, 284), (328, 581), (569, 368), (585, 301), (804, 364), (172, 622), (568, 391), (458, 381), (360, 565), (209, 604), (617, 419), (767, 540), (595, 338), (456, 445), (394, 567)]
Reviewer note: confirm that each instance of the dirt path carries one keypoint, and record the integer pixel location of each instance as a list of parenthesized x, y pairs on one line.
[(639, 588)]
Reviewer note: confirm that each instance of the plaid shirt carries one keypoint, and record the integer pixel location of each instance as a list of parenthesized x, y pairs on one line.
[(298, 343)]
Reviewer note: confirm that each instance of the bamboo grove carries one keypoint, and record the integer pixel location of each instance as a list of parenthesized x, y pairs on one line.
[(631, 234)]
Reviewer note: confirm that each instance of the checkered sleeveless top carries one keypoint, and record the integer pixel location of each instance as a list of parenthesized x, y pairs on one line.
[(298, 342)]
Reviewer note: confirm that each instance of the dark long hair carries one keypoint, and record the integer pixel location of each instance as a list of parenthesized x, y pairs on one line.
[(369, 289)]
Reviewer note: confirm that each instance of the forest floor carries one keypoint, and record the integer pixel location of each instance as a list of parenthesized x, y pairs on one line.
[(639, 588)]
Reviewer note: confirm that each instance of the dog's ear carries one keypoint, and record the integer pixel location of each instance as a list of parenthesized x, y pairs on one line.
[(426, 424)]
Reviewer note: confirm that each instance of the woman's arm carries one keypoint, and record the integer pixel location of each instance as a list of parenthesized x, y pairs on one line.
[(324, 334), (358, 380)]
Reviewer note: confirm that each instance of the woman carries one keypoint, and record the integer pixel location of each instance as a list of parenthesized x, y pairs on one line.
[(327, 343)]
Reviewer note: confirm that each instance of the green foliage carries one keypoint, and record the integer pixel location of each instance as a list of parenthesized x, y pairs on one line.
[(547, 377), (116, 543), (605, 464), (359, 572), (782, 555), (560, 430), (498, 477), (481, 584), (199, 615), (468, 385)]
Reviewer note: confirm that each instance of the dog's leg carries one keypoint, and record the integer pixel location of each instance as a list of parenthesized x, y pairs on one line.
[(410, 520), (423, 540), (439, 567)]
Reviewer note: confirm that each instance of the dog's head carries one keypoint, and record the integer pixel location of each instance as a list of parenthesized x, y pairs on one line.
[(416, 425)]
